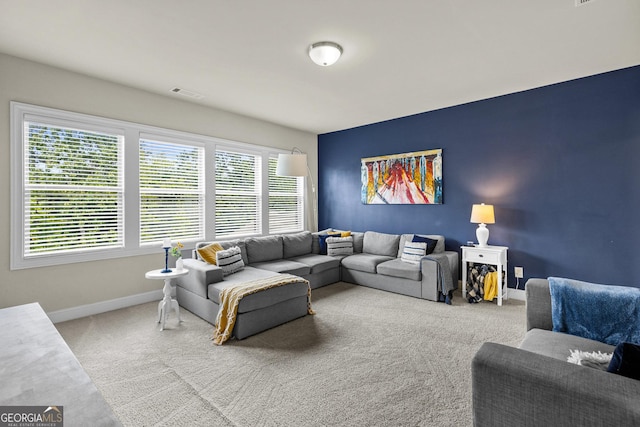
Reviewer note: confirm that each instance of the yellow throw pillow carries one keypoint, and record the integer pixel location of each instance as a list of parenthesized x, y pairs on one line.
[(208, 253), (345, 234)]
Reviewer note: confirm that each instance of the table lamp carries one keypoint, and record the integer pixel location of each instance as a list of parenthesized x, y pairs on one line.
[(482, 215)]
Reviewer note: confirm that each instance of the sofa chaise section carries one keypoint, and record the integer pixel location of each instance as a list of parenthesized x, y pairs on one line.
[(263, 257), (256, 313)]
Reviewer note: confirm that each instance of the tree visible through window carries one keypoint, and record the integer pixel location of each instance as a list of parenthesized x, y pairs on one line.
[(238, 194), (286, 202), (171, 192), (73, 189), (86, 188)]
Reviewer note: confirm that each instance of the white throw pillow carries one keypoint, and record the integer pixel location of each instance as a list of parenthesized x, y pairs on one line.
[(339, 246), (230, 260), (592, 359), (413, 252)]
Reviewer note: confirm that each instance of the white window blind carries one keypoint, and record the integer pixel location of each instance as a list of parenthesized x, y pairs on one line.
[(73, 190), (87, 188), (238, 194), (286, 201), (171, 191)]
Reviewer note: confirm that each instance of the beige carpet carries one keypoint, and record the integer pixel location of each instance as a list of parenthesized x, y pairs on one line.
[(367, 358)]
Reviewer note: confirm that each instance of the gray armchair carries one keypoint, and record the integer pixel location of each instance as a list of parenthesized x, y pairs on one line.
[(534, 385)]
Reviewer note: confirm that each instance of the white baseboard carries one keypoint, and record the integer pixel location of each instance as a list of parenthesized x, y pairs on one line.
[(517, 294), (103, 306), (115, 304)]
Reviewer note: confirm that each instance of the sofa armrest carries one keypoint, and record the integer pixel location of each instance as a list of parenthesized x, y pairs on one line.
[(514, 387), (430, 273), (538, 297), (203, 271), (201, 275)]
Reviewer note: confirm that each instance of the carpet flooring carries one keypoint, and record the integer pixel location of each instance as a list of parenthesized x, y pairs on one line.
[(367, 358)]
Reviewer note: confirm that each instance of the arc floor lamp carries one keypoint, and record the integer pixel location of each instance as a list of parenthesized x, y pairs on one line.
[(295, 164)]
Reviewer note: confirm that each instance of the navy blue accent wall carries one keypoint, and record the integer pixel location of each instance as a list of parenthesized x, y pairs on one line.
[(560, 163)]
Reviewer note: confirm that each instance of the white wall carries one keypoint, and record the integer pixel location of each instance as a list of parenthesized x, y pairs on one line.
[(63, 287)]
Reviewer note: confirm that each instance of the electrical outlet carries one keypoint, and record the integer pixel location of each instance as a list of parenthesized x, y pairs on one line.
[(519, 272)]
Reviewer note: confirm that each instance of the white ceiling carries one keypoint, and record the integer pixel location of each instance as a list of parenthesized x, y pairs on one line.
[(401, 57)]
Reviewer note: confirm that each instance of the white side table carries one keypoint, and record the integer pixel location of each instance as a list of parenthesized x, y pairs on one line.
[(167, 303), (494, 255)]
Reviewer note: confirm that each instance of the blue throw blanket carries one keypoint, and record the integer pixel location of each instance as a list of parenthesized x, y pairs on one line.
[(605, 313)]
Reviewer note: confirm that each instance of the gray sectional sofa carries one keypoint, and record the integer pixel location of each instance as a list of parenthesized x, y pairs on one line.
[(375, 263), (534, 385)]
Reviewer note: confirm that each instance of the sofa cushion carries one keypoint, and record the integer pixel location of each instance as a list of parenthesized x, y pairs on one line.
[(364, 262), (318, 263), (208, 253), (322, 240), (258, 300), (590, 359), (315, 245), (226, 244), (413, 252), (266, 248), (397, 268), (229, 260), (430, 243), (337, 246), (358, 241), (559, 345), (380, 244), (297, 244), (626, 360), (439, 248), (284, 266)]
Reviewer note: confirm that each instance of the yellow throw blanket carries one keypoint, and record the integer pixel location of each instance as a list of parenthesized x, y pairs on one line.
[(230, 300), (491, 285)]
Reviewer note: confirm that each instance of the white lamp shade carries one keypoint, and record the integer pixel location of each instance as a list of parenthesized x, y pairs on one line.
[(482, 214), (325, 53), (294, 164)]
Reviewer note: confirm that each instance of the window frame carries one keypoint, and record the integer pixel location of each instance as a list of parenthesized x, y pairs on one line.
[(132, 132)]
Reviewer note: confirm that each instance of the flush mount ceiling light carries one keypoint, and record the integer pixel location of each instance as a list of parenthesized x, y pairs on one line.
[(325, 53)]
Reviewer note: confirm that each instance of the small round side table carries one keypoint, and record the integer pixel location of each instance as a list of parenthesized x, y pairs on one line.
[(167, 303)]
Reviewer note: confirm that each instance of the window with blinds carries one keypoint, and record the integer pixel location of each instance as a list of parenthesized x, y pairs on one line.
[(88, 188), (73, 190), (238, 194), (286, 201), (171, 183)]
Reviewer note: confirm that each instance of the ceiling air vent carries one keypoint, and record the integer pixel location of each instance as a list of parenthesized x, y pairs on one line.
[(187, 93), (583, 2)]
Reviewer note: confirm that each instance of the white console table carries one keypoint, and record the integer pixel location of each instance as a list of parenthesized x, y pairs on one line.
[(494, 255)]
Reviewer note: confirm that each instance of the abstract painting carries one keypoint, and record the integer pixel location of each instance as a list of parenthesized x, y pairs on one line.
[(402, 179)]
